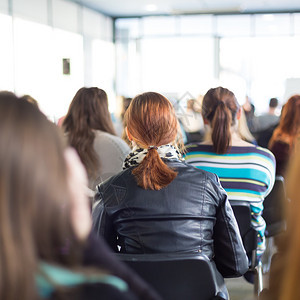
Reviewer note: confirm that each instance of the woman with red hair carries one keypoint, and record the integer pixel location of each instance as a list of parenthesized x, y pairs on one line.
[(282, 142), (158, 203)]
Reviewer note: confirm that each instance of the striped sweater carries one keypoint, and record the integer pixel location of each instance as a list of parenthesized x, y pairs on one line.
[(246, 173)]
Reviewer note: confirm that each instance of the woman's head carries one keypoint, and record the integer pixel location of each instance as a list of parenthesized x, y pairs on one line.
[(35, 202), (289, 126), (88, 111), (290, 117), (30, 99), (220, 109), (151, 121)]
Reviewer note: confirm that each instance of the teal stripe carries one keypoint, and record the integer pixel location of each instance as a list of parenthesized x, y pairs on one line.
[(64, 277), (257, 209), (238, 173), (199, 155)]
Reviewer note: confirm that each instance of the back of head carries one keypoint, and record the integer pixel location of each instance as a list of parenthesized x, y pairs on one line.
[(289, 125), (88, 111), (33, 185), (220, 108), (30, 99), (151, 121), (273, 103)]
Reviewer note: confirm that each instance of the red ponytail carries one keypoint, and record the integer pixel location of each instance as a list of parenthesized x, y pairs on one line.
[(151, 120)]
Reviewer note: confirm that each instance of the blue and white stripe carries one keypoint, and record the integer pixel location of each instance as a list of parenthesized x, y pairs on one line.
[(246, 174)]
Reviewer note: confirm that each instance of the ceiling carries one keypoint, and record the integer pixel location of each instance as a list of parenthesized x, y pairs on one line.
[(129, 8)]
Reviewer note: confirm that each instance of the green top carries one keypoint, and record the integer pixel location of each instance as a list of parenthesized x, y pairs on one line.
[(51, 276)]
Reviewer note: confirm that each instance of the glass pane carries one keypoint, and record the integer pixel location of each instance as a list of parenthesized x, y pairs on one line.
[(177, 65), (296, 24), (159, 26), (200, 24), (127, 28), (234, 25), (272, 24), (262, 63)]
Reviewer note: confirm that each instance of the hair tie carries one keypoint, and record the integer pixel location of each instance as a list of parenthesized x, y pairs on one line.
[(152, 147)]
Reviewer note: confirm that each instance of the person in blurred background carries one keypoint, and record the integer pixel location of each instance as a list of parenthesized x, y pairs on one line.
[(246, 172), (282, 142), (192, 121), (158, 203), (285, 267), (90, 131), (249, 110), (269, 118), (46, 248)]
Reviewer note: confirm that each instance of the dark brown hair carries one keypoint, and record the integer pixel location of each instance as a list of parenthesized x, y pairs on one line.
[(290, 243), (34, 199), (289, 125), (285, 267), (151, 121), (88, 111), (220, 108), (30, 100)]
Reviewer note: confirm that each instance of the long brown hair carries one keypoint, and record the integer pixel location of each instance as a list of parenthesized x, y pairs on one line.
[(220, 108), (289, 125), (88, 111), (285, 267), (289, 273), (34, 199), (151, 121)]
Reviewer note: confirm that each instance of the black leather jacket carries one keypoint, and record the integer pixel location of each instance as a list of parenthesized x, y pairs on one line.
[(191, 214)]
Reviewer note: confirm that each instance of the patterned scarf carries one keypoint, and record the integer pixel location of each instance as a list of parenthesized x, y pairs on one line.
[(138, 154)]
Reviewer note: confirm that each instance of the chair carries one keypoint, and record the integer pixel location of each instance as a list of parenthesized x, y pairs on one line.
[(242, 212), (179, 276), (273, 208)]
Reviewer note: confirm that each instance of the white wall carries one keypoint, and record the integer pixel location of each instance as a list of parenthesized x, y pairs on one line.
[(4, 6), (33, 10), (37, 35), (65, 15)]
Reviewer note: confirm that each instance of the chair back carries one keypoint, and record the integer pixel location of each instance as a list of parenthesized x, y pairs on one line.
[(242, 212), (179, 276), (273, 208)]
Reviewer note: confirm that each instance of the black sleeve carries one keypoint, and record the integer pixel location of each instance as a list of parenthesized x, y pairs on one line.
[(97, 253), (103, 225), (230, 256)]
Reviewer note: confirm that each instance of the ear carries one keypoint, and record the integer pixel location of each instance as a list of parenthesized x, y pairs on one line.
[(128, 134), (239, 113)]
